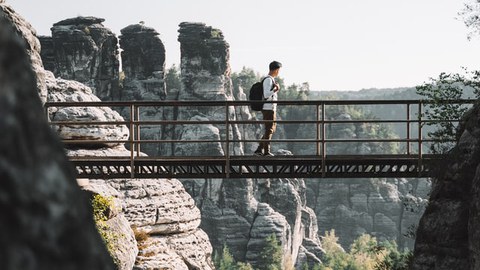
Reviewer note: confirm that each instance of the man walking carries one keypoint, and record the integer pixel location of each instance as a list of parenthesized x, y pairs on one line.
[(270, 89)]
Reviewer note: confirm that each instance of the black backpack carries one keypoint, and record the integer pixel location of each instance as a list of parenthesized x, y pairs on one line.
[(256, 94)]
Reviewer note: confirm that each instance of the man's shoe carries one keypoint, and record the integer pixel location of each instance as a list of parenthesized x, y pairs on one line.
[(268, 154), (258, 153)]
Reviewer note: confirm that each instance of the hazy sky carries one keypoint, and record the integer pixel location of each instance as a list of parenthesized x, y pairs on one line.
[(333, 45)]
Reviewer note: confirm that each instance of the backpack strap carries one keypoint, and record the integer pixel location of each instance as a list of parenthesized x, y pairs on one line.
[(273, 82)]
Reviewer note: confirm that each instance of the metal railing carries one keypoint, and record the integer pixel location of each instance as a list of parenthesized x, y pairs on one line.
[(412, 110)]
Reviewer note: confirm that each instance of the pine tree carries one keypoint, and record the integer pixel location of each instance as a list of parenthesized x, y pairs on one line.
[(271, 255)]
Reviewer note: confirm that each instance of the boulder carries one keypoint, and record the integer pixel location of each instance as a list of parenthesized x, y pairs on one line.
[(60, 90)]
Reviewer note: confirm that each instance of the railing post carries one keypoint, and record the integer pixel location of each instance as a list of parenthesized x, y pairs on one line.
[(132, 139), (137, 136), (324, 145), (420, 140), (408, 129), (227, 141), (318, 130)]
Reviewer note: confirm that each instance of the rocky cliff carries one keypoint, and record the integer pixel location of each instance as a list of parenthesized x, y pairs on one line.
[(448, 234), (28, 34), (46, 221), (158, 208), (86, 51), (388, 209)]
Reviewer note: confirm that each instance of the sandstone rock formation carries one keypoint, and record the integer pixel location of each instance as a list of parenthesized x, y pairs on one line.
[(60, 90), (204, 63), (46, 220), (28, 34), (171, 217), (448, 234), (117, 228), (86, 51), (162, 209), (143, 63), (47, 53), (205, 73), (388, 209), (241, 213)]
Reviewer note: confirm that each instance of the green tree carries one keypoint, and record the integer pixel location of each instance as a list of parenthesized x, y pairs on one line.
[(471, 17), (225, 261), (245, 78), (172, 79), (447, 87), (393, 259), (335, 256), (365, 254), (272, 254)]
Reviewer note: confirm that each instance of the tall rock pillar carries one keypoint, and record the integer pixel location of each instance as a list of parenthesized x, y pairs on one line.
[(86, 51), (143, 63), (205, 70), (205, 64)]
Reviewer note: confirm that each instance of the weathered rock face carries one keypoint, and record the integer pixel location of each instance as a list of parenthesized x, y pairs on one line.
[(86, 51), (387, 209), (28, 34), (204, 63), (47, 53), (250, 131), (448, 234), (121, 236), (143, 63), (162, 209), (205, 72), (60, 90), (242, 213), (46, 220)]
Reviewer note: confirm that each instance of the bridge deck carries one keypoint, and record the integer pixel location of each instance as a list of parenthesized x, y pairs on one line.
[(353, 166)]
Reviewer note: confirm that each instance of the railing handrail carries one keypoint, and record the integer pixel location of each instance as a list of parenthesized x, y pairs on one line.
[(321, 122), (142, 103)]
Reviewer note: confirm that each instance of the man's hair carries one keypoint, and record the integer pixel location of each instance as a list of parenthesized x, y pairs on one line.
[(275, 65)]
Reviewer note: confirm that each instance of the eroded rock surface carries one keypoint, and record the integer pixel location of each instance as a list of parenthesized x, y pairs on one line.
[(166, 212), (60, 90), (32, 45), (86, 51), (388, 209), (46, 221), (143, 63), (448, 234)]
